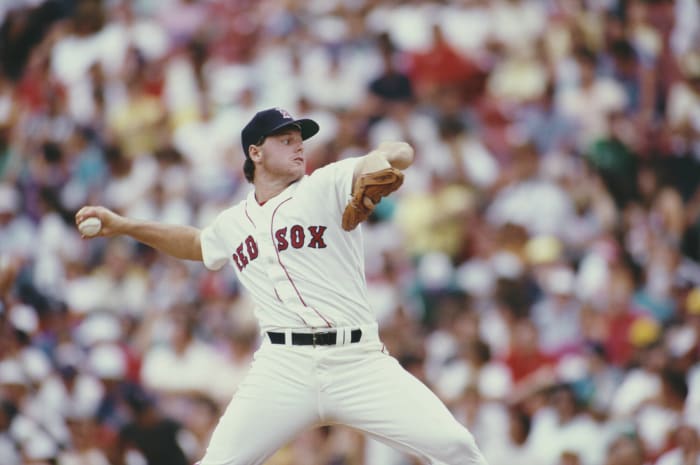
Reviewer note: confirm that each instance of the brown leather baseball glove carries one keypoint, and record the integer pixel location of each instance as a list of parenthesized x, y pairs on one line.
[(369, 189)]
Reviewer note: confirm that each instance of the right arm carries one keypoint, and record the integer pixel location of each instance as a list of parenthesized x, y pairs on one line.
[(177, 241)]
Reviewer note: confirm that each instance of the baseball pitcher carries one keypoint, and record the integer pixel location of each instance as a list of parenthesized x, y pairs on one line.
[(295, 245)]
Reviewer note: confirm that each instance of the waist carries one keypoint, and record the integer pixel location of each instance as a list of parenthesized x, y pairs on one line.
[(323, 336)]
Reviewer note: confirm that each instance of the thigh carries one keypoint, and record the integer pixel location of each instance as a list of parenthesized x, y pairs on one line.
[(379, 397), (273, 403)]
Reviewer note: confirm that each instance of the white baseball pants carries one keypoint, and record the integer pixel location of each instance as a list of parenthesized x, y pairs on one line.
[(291, 388)]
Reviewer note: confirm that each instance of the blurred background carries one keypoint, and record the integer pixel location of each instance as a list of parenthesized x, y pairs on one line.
[(539, 269)]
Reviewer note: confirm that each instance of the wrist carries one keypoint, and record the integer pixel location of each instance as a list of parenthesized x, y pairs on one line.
[(378, 160), (122, 224)]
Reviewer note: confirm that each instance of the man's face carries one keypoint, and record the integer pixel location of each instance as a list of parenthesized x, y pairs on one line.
[(283, 154)]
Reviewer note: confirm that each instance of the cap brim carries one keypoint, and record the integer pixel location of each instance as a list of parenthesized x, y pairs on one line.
[(308, 127)]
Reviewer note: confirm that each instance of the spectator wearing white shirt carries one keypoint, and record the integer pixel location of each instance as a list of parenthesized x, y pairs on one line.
[(687, 450), (186, 365), (529, 200), (460, 155), (566, 427), (683, 108), (658, 418), (590, 103), (625, 450), (516, 447)]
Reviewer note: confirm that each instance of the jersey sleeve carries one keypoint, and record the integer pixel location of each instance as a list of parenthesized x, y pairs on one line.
[(215, 254), (335, 182)]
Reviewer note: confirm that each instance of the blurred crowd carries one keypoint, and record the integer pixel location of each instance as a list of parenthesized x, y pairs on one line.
[(539, 269)]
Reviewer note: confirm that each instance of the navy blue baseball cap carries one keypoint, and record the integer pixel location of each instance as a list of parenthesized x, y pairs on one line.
[(270, 121)]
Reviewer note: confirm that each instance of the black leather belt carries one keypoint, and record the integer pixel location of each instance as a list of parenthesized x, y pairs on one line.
[(325, 338)]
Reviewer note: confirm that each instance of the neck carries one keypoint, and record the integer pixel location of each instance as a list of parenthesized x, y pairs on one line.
[(265, 189)]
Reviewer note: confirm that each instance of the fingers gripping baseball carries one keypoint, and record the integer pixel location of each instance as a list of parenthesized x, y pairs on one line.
[(369, 190), (86, 218)]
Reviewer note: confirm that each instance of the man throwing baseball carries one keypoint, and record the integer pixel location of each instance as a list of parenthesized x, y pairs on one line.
[(294, 244)]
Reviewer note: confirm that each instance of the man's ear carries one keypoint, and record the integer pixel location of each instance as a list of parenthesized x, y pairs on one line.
[(255, 152)]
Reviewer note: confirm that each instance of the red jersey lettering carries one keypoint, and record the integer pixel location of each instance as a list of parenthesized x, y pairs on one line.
[(252, 247), (281, 236), (317, 241), (297, 236), (241, 256)]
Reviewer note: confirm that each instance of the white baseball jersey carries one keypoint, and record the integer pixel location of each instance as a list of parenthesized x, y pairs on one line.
[(291, 253)]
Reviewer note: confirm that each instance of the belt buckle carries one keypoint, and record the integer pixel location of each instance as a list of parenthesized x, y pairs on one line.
[(313, 339)]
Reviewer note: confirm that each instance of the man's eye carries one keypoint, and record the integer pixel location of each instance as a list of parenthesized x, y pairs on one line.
[(286, 141)]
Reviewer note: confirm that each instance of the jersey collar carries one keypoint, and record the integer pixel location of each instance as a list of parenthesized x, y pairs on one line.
[(270, 204)]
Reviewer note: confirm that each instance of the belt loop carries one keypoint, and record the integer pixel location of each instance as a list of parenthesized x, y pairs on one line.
[(288, 337), (346, 335)]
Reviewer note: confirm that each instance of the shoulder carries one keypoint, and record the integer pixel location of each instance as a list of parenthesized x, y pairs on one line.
[(330, 185), (234, 210), (226, 221), (334, 173), (347, 164)]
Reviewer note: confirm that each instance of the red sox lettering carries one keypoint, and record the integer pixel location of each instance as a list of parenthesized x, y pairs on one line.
[(239, 256), (296, 236)]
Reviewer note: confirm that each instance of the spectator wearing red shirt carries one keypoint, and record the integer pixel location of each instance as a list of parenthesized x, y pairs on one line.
[(525, 357), (443, 68)]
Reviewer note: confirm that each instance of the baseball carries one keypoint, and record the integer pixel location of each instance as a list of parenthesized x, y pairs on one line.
[(90, 226)]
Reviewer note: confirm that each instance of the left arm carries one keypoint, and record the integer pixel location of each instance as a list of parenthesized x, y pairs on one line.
[(388, 154), (375, 175)]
